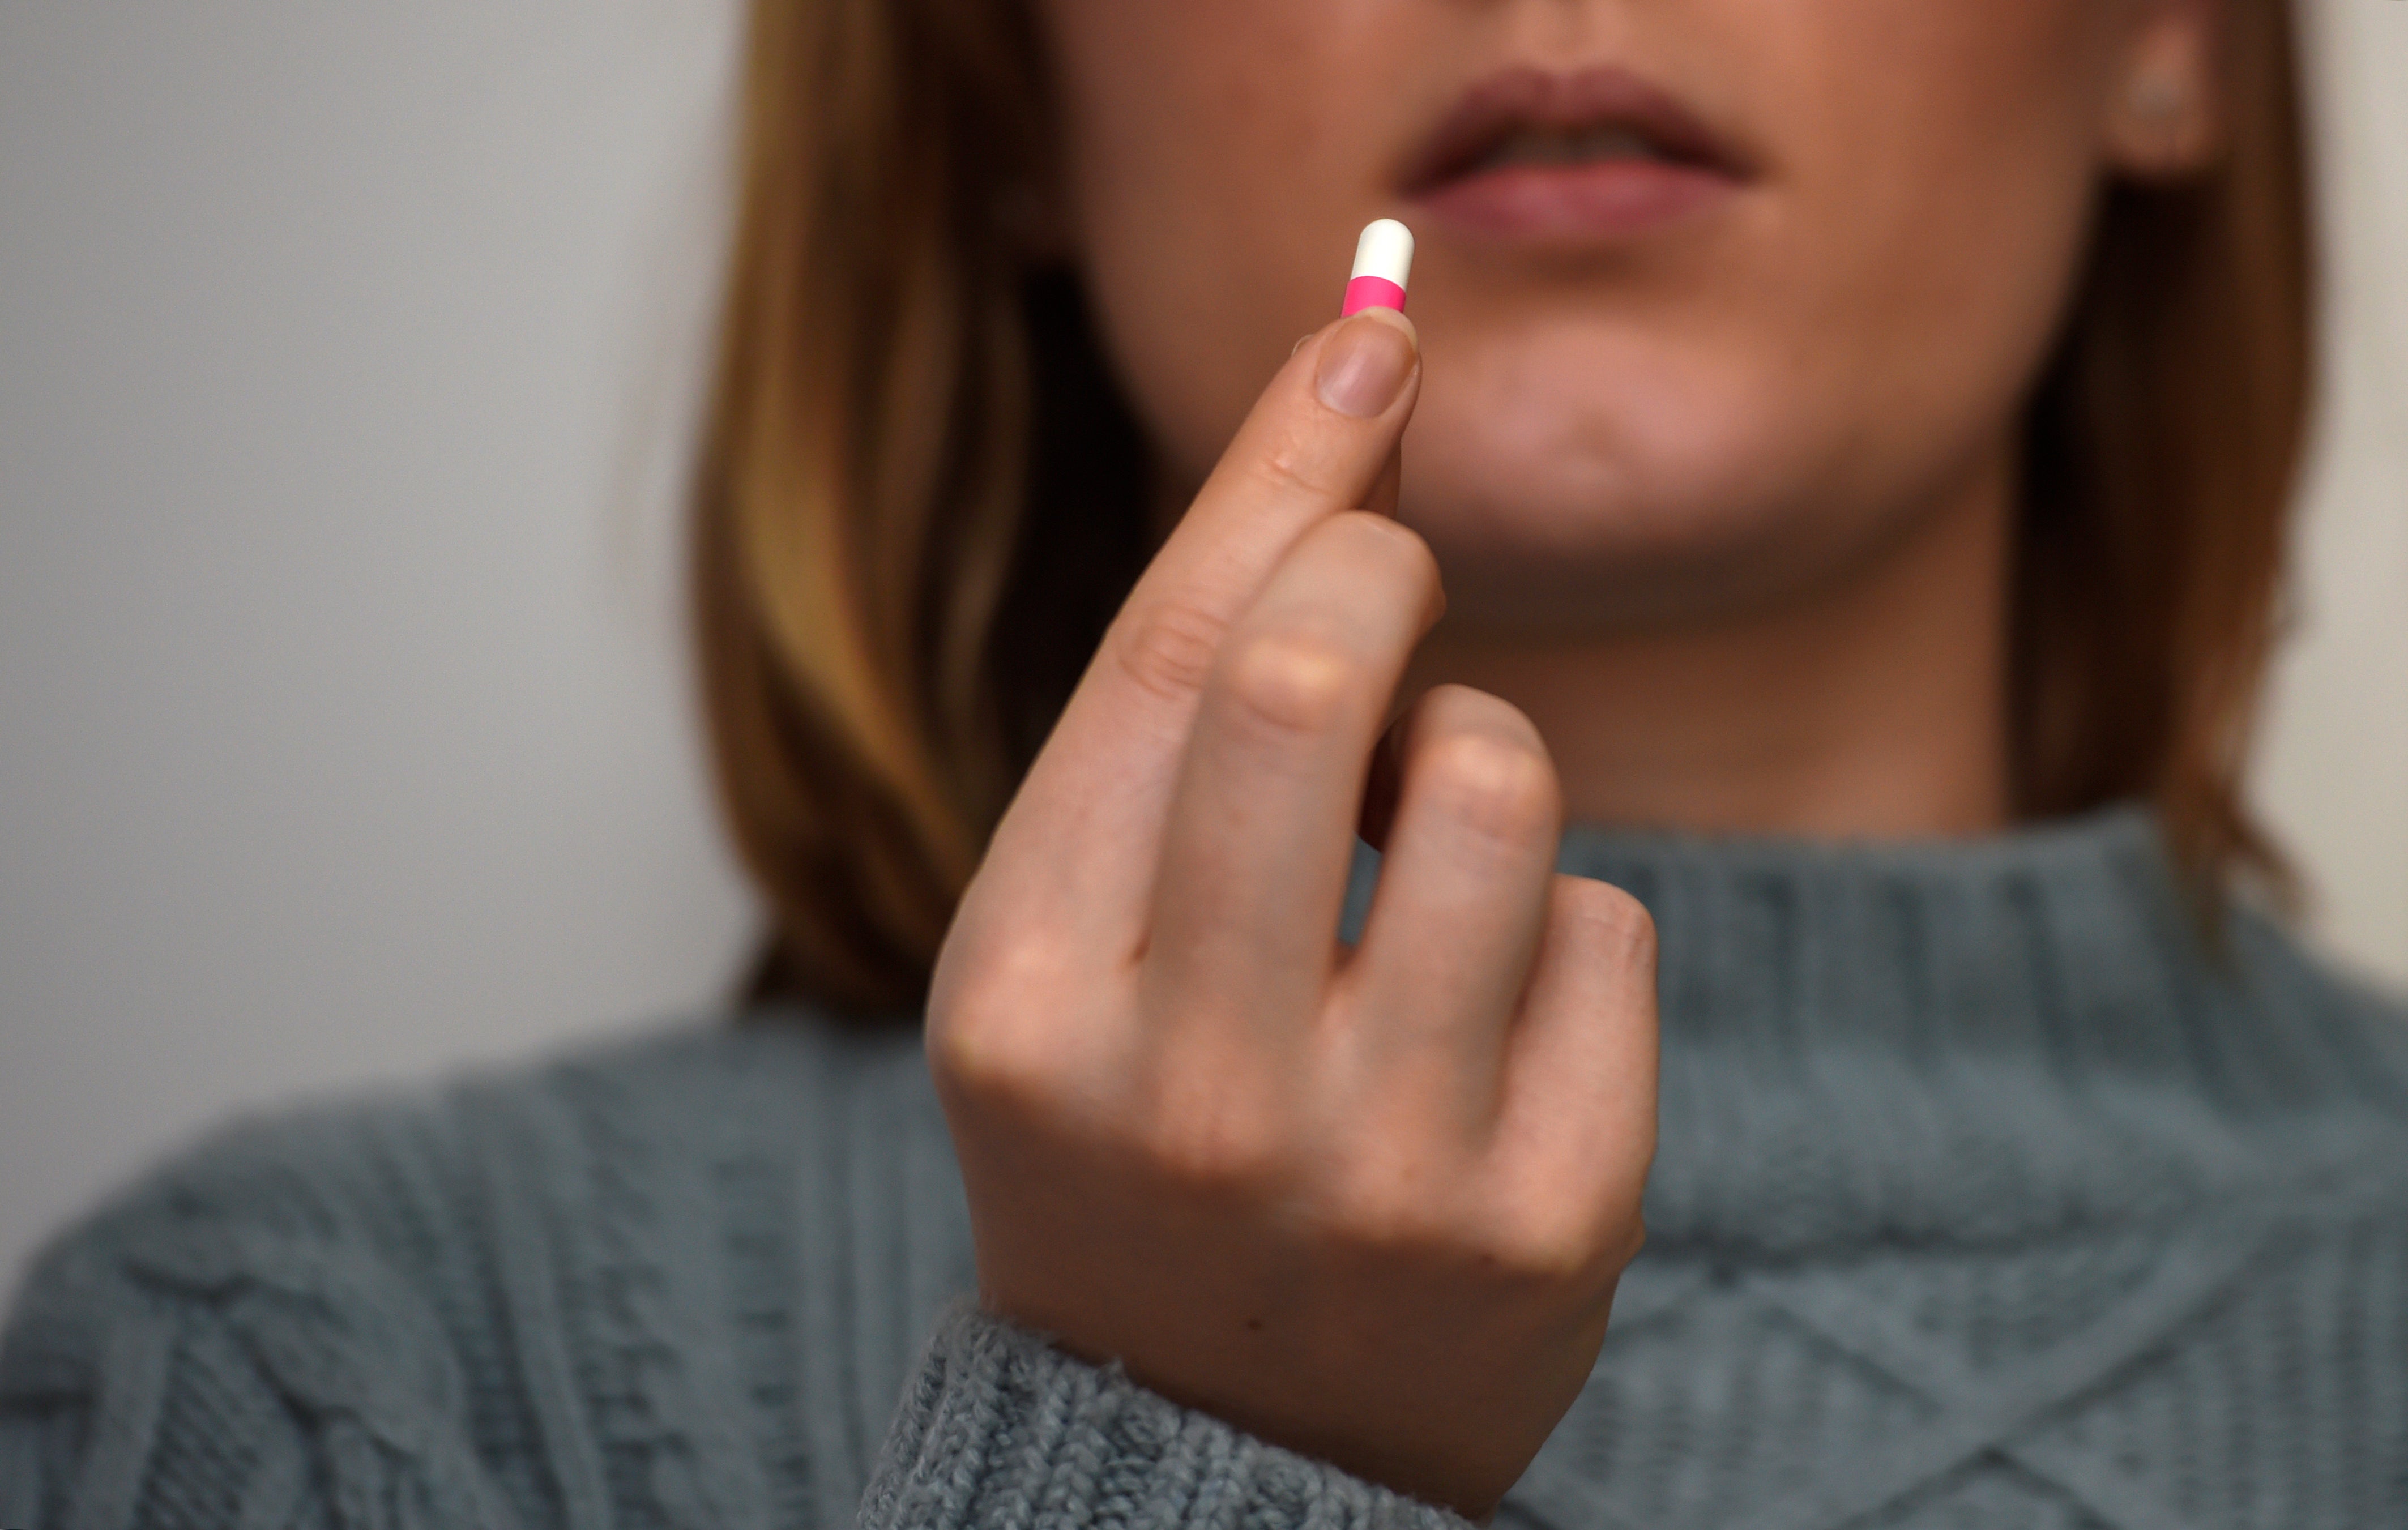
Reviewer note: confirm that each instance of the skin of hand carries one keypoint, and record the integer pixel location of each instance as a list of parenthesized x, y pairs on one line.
[(1369, 1203)]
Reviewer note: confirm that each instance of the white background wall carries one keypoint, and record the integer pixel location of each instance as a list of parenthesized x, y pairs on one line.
[(346, 356)]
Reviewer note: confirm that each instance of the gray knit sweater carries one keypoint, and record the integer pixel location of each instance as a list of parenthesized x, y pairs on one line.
[(1986, 1197)]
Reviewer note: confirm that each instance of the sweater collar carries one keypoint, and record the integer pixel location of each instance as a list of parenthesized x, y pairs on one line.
[(1999, 943), (1969, 1040)]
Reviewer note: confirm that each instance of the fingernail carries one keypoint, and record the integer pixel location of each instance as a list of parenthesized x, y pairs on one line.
[(1364, 366)]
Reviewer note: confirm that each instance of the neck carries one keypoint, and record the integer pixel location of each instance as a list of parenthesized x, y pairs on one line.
[(1872, 706)]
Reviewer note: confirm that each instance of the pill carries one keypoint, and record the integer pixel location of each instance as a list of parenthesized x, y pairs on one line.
[(1383, 259)]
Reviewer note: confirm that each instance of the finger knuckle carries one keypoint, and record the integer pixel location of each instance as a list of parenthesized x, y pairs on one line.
[(1401, 552), (1168, 649), (986, 1040), (1293, 466), (1610, 921), (1492, 782), (1556, 1242), (1216, 1142), (1292, 681), (1396, 1216), (974, 1059)]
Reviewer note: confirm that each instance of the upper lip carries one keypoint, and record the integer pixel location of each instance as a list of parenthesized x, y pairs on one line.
[(1517, 99)]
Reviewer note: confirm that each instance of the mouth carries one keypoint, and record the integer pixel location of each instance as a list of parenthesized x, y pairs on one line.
[(1588, 155)]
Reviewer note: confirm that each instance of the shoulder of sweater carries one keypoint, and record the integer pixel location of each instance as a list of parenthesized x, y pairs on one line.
[(383, 1186), (301, 1283), (2296, 986)]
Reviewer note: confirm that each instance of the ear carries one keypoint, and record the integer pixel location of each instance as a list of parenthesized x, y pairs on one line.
[(2165, 105)]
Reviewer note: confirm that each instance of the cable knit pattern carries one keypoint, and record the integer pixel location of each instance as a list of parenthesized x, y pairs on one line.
[(1987, 1196)]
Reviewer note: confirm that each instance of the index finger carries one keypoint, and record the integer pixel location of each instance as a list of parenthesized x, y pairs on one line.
[(1080, 839)]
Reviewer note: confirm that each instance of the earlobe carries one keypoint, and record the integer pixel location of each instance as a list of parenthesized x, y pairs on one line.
[(2164, 113)]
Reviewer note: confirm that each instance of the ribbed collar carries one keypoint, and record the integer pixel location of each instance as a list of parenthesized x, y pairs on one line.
[(1996, 944), (1972, 1041)]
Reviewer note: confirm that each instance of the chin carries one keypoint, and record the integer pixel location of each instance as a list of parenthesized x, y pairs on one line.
[(1611, 534), (1596, 568), (1675, 481)]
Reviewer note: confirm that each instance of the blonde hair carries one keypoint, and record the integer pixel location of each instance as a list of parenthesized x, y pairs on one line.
[(920, 496)]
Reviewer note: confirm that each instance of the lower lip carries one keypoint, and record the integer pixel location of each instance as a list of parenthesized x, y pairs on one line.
[(1606, 201)]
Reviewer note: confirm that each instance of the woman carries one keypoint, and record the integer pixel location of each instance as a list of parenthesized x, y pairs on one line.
[(1853, 439)]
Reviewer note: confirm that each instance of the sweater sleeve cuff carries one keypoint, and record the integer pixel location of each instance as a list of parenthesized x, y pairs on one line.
[(1000, 1428)]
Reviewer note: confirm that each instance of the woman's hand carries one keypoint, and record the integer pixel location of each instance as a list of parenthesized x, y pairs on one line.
[(1370, 1204)]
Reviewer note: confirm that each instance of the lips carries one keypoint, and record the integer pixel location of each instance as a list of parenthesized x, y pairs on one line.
[(1594, 155)]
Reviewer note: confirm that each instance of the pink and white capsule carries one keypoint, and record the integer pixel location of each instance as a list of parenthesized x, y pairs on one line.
[(1383, 258)]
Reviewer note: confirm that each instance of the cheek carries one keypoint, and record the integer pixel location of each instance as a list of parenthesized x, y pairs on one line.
[(1941, 207), (1222, 158)]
